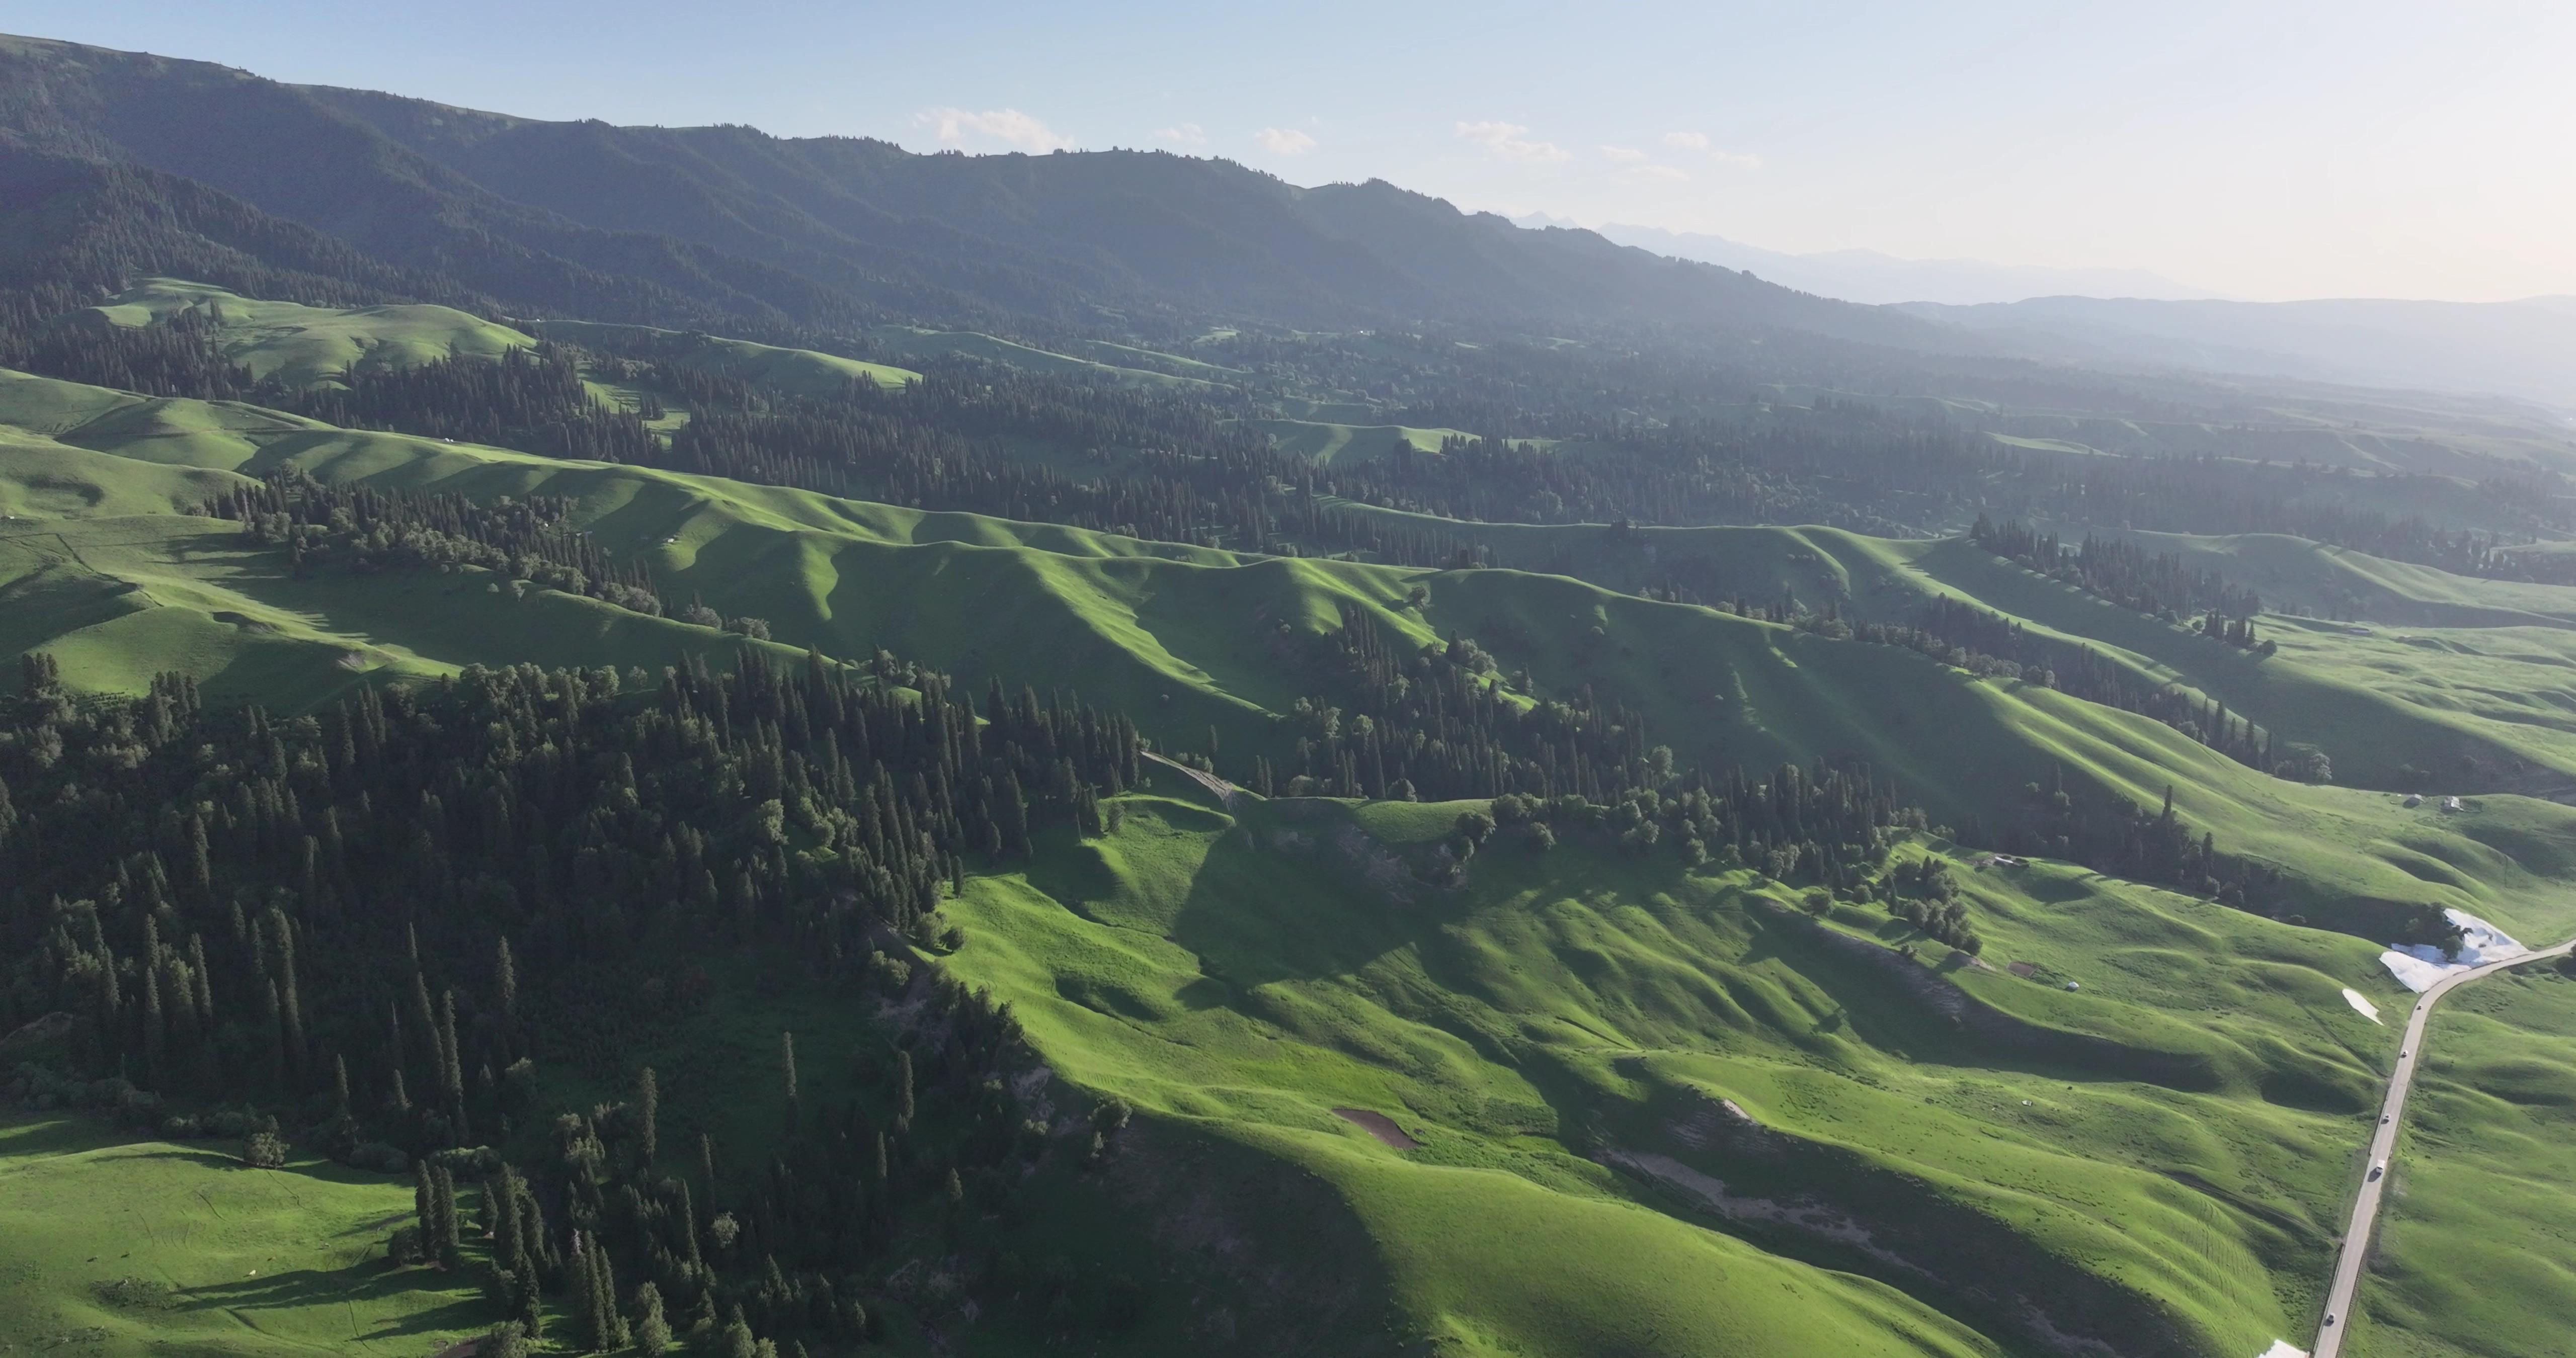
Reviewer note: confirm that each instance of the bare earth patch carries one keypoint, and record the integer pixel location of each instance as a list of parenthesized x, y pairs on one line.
[(1378, 1125)]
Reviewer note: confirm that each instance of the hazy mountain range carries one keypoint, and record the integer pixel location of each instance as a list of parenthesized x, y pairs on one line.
[(1872, 278), (730, 228), (2525, 348), (731, 222), (2133, 318)]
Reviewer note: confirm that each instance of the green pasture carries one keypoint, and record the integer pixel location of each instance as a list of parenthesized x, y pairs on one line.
[(114, 1245), (303, 345)]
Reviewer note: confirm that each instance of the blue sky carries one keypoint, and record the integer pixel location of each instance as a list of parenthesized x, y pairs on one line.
[(2262, 150)]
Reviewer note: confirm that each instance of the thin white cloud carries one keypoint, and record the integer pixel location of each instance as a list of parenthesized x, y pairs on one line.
[(1659, 172), (1187, 134), (1286, 141), (1009, 126), (1699, 143), (1625, 155), (1510, 141)]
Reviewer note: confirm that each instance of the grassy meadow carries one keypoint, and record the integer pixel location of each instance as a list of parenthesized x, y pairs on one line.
[(304, 345), (115, 1246), (1669, 1056)]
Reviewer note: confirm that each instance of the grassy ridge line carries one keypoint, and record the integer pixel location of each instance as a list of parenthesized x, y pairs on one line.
[(303, 345), (906, 342), (1330, 442), (2328, 688), (1129, 355), (800, 371), (1187, 639), (2320, 576), (2279, 567), (119, 600), (1236, 971), (2314, 693)]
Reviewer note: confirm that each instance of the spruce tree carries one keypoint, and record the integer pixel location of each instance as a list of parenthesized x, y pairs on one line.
[(451, 1062), (652, 1332), (648, 1105), (444, 1236), (609, 1330), (505, 988)]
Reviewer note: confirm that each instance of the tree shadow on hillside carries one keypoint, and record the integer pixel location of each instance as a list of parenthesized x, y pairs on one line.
[(1286, 899), (208, 1158), (29, 1135), (374, 1281)]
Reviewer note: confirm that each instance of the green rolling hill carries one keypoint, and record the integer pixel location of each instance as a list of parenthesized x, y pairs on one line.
[(1570, 1038), (1191, 639), (299, 345), (1565, 1101)]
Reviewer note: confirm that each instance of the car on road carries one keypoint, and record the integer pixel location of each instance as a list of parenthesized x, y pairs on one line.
[(2387, 1118), (2377, 1170)]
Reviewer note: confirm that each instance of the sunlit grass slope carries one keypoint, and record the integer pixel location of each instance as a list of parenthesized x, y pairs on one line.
[(912, 345), (302, 345), (2162, 1150), (224, 1261), (2476, 1257), (1187, 638), (117, 601), (802, 371), (1328, 443), (2457, 679)]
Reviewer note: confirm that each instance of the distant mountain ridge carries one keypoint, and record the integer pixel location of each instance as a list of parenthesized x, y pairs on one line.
[(1875, 279), (730, 222), (2132, 318), (2524, 349)]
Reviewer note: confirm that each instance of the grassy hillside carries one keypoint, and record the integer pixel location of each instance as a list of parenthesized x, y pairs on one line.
[(1189, 638), (115, 1246), (794, 370), (1585, 1047), (118, 600), (2473, 1259), (1329, 442), (1564, 1036), (2322, 578), (915, 344), (302, 345), (2473, 694)]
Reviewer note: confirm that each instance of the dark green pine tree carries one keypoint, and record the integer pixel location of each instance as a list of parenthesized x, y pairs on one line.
[(445, 1237), (451, 1064), (648, 1107)]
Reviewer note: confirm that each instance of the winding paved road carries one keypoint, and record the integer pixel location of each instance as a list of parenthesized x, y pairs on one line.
[(2383, 1141)]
